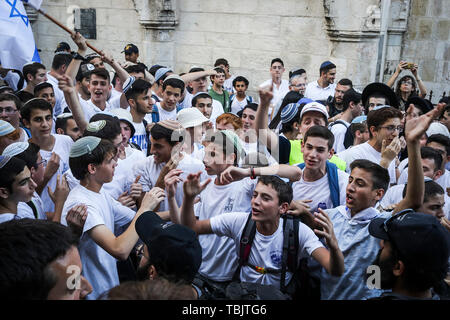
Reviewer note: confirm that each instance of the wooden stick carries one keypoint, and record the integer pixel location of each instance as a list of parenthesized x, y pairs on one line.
[(66, 29)]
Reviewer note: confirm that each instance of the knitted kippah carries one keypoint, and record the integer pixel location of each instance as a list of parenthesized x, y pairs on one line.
[(15, 148), (96, 126), (84, 146)]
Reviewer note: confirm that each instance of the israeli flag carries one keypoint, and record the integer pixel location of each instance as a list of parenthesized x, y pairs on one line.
[(17, 46)]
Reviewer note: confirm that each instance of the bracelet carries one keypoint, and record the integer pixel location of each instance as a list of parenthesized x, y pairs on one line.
[(252, 173), (78, 56)]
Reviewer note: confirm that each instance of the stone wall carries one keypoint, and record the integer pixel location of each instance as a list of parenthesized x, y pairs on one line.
[(249, 34)]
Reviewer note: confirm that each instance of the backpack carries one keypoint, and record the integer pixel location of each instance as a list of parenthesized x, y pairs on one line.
[(155, 112), (333, 181), (348, 139), (248, 98), (302, 285)]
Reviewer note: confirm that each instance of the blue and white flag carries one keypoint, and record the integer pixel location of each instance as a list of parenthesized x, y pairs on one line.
[(17, 46)]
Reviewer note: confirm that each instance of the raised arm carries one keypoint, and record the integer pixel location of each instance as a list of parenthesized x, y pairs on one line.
[(414, 129), (420, 84), (191, 76), (171, 180), (74, 65), (231, 174), (121, 246), (400, 67), (71, 96), (264, 134), (191, 188)]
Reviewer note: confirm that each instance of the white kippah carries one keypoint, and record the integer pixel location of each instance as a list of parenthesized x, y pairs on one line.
[(15, 148), (84, 146)]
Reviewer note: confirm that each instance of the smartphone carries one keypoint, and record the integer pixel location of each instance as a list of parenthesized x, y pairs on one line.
[(410, 65)]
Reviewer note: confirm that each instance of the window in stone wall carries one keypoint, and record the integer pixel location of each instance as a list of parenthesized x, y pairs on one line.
[(86, 23)]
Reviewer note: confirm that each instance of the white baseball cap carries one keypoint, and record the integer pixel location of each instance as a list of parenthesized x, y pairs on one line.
[(190, 117), (314, 106)]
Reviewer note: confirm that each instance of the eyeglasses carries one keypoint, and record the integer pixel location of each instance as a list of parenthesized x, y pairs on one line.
[(407, 82), (399, 214), (8, 110), (393, 128), (43, 162)]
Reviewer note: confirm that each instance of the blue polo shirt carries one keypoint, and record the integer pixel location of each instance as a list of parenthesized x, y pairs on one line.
[(359, 248)]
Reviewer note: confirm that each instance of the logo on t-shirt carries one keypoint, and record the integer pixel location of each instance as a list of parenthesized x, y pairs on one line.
[(229, 205), (275, 256)]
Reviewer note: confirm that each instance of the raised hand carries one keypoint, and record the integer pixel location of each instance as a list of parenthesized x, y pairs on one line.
[(65, 83), (153, 198), (265, 95), (127, 200), (52, 166), (401, 66), (61, 190), (416, 127), (192, 186), (322, 219), (106, 57), (80, 41), (171, 180), (136, 188), (388, 153)]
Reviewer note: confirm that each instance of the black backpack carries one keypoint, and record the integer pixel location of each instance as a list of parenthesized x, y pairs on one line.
[(348, 140), (302, 285)]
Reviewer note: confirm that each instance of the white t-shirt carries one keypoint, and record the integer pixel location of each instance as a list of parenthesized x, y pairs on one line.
[(99, 267), (258, 147), (61, 103), (366, 151), (163, 114), (140, 136), (187, 101), (315, 92), (217, 110), (237, 105), (90, 109), (392, 196), (278, 92), (25, 211), (221, 200), (62, 147), (319, 191), (339, 130), (149, 171), (266, 251), (228, 84)]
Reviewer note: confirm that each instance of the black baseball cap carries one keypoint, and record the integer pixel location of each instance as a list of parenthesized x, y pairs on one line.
[(423, 104), (62, 46), (130, 48), (173, 246), (420, 238)]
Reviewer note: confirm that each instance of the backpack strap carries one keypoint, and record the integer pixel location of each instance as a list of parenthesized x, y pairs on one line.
[(155, 114), (33, 207), (333, 182), (245, 245), (290, 248), (147, 135)]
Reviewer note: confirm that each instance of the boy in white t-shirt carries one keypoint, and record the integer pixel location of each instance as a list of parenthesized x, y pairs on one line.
[(384, 126), (322, 182), (231, 191), (270, 199), (92, 161), (54, 148)]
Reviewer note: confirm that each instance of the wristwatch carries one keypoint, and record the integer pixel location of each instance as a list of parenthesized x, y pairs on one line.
[(78, 56)]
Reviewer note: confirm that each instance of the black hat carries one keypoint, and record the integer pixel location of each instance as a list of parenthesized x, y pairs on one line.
[(174, 246), (130, 48), (419, 238), (378, 87), (62, 46), (296, 72), (423, 104)]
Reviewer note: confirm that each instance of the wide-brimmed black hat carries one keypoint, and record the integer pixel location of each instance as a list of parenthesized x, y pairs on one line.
[(423, 104), (381, 88)]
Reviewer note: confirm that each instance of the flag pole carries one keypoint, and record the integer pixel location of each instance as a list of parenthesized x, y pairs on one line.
[(66, 29)]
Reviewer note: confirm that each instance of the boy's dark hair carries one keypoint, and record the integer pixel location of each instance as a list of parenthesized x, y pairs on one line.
[(61, 59), (11, 97), (327, 67), (61, 123), (219, 70), (160, 132), (380, 176), (289, 126), (376, 118), (174, 83), (221, 61), (433, 154), (219, 138), (377, 95), (109, 132), (277, 60), (154, 68), (200, 96), (41, 86), (350, 96), (79, 165), (346, 82), (102, 73), (30, 155), (320, 132), (240, 79), (196, 69), (6, 89), (432, 188), (32, 69), (251, 105), (137, 68), (138, 87), (441, 139), (9, 172), (290, 97), (283, 189), (33, 104), (27, 248), (361, 127)]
